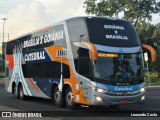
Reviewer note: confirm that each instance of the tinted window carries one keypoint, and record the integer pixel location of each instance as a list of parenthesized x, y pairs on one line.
[(83, 63), (119, 69), (45, 70), (77, 30), (10, 47)]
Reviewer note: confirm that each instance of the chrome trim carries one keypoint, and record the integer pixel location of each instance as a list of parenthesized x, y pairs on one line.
[(111, 93), (118, 49)]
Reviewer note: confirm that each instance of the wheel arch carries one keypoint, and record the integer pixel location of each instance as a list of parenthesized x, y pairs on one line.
[(20, 83), (64, 89)]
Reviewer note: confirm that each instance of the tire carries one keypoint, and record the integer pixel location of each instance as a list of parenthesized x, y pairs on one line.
[(57, 98), (69, 99), (13, 88), (21, 95)]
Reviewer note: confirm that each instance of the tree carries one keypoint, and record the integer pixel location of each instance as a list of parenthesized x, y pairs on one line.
[(156, 34), (156, 39), (133, 10), (139, 12), (145, 31)]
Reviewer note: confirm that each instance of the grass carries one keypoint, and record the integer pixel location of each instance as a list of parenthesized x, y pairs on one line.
[(154, 80), (2, 75)]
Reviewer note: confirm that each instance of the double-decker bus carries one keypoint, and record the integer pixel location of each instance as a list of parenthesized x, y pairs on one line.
[(81, 60)]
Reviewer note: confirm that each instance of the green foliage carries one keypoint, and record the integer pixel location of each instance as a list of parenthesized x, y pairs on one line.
[(145, 31), (133, 10), (156, 34), (153, 82), (2, 75), (139, 12), (153, 79)]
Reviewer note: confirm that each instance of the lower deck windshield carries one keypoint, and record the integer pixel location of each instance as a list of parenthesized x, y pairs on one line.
[(119, 69)]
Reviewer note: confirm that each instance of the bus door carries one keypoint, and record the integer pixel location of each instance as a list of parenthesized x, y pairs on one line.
[(85, 69)]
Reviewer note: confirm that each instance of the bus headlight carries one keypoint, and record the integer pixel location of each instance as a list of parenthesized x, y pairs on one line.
[(100, 90), (142, 89)]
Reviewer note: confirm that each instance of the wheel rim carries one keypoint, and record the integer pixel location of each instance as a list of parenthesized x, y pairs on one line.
[(15, 92), (70, 98), (57, 96), (21, 92)]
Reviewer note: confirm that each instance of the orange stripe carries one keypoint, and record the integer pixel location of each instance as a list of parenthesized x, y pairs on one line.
[(22, 61), (33, 84), (41, 29), (10, 59), (93, 50)]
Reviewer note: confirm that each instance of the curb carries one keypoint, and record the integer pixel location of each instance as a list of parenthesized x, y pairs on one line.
[(152, 86)]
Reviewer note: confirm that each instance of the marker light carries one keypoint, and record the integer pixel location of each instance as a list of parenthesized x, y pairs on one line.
[(99, 99)]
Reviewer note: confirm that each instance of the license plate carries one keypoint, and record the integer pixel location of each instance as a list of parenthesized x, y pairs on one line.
[(124, 101)]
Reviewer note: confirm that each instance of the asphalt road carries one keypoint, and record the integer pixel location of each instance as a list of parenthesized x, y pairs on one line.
[(152, 104)]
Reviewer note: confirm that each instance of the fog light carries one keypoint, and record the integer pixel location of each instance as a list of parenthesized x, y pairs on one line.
[(99, 99), (142, 98)]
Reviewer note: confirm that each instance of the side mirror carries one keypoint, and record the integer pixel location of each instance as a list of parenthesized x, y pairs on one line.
[(152, 51), (92, 48)]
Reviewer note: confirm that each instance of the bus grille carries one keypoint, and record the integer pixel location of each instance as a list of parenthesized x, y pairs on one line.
[(111, 93)]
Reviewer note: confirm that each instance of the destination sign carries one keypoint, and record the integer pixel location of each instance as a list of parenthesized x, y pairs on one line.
[(107, 55), (116, 34)]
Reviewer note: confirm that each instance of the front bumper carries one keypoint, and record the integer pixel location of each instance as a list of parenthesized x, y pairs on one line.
[(116, 100)]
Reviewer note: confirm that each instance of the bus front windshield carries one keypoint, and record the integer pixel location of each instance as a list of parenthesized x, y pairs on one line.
[(119, 69)]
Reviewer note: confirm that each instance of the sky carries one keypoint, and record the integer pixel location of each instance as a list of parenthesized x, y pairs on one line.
[(24, 16)]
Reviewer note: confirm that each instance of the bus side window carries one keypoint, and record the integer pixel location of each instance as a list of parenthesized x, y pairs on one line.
[(66, 71), (45, 70), (84, 63)]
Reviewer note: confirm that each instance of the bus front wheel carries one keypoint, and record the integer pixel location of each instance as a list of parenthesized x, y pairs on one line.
[(69, 99)]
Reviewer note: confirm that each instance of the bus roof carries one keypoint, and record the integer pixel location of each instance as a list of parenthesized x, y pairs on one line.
[(68, 20), (95, 17)]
